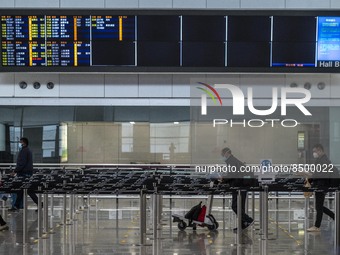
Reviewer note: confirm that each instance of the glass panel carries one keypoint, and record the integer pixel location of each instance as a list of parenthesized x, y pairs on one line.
[(48, 142), (55, 136), (63, 142), (169, 137), (127, 137), (14, 134)]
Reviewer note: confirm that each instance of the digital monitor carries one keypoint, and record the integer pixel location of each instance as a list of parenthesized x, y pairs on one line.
[(158, 39), (248, 41), (203, 28), (113, 27), (67, 27), (159, 54), (249, 28), (328, 50), (293, 54), (203, 41), (203, 54), (67, 40), (293, 43), (67, 53), (248, 54), (110, 53), (158, 28)]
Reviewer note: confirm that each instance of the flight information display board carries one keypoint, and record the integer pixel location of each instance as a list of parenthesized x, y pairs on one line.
[(169, 41)]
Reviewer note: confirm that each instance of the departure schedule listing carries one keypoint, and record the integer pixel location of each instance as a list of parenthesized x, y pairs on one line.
[(22, 27), (59, 40), (68, 27), (68, 53)]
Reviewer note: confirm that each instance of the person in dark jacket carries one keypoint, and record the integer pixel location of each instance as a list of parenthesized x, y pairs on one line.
[(24, 168), (321, 180), (3, 224), (236, 179)]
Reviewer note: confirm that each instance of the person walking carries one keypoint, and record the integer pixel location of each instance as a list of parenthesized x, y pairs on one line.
[(321, 180), (24, 168), (237, 180)]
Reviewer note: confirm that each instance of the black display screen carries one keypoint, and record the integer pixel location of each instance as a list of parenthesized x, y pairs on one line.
[(159, 54), (169, 41), (113, 53), (297, 54), (248, 54), (249, 41), (204, 28), (158, 40), (249, 28), (294, 41), (203, 41), (204, 54)]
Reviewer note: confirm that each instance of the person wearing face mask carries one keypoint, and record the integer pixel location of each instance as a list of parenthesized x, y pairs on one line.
[(321, 180), (237, 180), (24, 168)]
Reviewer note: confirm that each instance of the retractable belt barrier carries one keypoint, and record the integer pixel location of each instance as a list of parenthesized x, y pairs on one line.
[(143, 180), (131, 180)]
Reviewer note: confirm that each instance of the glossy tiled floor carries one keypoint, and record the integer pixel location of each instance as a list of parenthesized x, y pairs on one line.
[(100, 230)]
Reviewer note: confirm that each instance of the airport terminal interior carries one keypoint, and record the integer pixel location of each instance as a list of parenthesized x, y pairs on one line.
[(131, 112)]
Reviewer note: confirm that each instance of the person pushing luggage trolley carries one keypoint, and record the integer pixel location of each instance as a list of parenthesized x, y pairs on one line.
[(237, 180)]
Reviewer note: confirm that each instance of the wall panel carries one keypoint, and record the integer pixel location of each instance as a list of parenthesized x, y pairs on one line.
[(155, 85), (262, 4), (121, 85), (81, 85), (37, 4)]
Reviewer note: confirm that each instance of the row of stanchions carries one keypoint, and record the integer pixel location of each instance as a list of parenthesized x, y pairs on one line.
[(44, 230), (264, 218), (155, 182), (263, 203), (337, 222)]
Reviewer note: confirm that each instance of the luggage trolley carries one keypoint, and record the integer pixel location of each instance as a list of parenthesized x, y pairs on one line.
[(204, 219)]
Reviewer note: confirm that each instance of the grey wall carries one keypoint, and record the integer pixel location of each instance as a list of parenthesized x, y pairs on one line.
[(169, 4), (151, 89)]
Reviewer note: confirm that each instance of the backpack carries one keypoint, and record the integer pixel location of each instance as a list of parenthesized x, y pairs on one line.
[(194, 212), (201, 216)]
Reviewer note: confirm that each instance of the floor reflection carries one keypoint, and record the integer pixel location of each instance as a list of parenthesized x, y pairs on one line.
[(103, 232), (196, 242)]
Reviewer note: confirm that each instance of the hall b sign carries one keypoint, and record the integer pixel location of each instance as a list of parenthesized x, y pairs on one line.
[(238, 106)]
